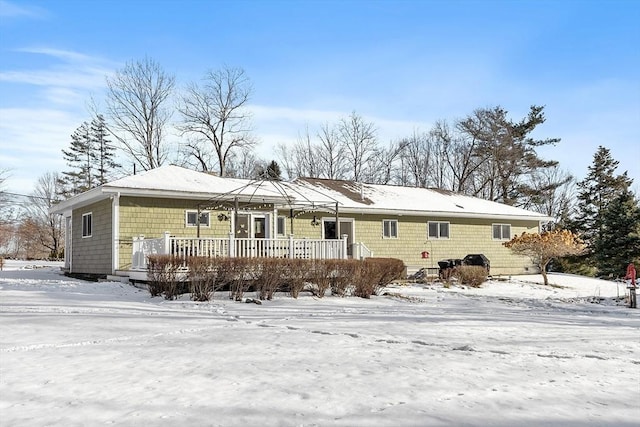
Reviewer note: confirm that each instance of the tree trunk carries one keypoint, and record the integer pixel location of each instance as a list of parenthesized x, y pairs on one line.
[(543, 271)]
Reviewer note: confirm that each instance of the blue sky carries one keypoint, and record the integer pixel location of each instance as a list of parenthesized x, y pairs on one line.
[(400, 64)]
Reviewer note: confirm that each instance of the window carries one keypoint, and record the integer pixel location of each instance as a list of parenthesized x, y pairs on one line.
[(438, 230), (192, 219), (282, 221), (390, 228), (502, 231), (87, 224)]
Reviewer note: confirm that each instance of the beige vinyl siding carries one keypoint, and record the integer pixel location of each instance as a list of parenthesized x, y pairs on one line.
[(152, 217), (92, 255), (466, 236)]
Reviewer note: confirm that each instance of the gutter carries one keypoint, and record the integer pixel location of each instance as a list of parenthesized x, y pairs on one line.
[(445, 214)]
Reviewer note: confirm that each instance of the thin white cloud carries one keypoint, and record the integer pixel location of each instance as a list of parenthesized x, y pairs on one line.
[(74, 70), (12, 10)]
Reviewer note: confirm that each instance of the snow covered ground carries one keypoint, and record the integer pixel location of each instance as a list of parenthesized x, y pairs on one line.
[(512, 353)]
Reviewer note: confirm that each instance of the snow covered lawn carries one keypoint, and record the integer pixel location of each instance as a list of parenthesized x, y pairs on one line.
[(513, 353)]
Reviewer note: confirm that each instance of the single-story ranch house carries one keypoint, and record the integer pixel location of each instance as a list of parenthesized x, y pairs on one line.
[(110, 230)]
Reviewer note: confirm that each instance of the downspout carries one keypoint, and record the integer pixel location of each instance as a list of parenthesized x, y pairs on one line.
[(115, 230)]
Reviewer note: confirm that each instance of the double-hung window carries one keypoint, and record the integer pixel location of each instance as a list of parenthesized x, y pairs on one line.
[(438, 230), (390, 228), (87, 224), (192, 219), (502, 231)]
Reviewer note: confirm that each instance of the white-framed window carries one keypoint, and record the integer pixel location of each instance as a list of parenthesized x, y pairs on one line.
[(390, 228), (87, 224), (281, 225), (191, 219), (501, 231), (438, 230)]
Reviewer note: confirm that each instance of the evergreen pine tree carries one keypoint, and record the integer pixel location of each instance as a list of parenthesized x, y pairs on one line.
[(270, 173), (104, 151), (596, 191), (273, 171), (619, 243), (80, 159)]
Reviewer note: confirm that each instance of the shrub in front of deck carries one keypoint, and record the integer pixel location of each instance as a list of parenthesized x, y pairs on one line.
[(388, 269), (341, 278), (364, 279), (320, 276), (373, 274), (270, 273), (471, 275), (241, 274), (297, 273), (163, 275), (202, 278)]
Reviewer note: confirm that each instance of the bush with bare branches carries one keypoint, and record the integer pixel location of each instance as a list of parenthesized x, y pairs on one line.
[(163, 275), (373, 274), (202, 278), (241, 273), (341, 278), (269, 276), (471, 275), (320, 276), (297, 273)]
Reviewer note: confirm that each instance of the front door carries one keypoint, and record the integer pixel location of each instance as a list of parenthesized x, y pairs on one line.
[(346, 227)]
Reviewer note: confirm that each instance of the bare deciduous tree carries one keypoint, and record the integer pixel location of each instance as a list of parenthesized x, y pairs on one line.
[(552, 192), (243, 164), (359, 139), (136, 107), (416, 160), (330, 152), (45, 228), (215, 114)]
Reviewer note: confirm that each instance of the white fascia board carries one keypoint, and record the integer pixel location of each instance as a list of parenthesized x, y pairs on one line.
[(80, 200)]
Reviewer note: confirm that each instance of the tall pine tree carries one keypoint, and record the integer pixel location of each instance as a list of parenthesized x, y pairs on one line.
[(596, 191), (80, 159), (620, 241), (104, 155), (90, 157), (505, 153)]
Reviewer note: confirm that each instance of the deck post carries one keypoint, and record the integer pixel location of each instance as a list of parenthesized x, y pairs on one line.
[(167, 243), (292, 248), (232, 245), (344, 245)]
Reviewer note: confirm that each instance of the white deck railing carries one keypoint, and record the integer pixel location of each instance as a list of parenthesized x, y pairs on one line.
[(360, 251), (185, 247)]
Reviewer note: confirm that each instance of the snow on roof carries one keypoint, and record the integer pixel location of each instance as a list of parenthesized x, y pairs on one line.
[(175, 181), (412, 200)]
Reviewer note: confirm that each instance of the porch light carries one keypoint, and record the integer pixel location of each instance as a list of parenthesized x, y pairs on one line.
[(315, 222), (222, 217)]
